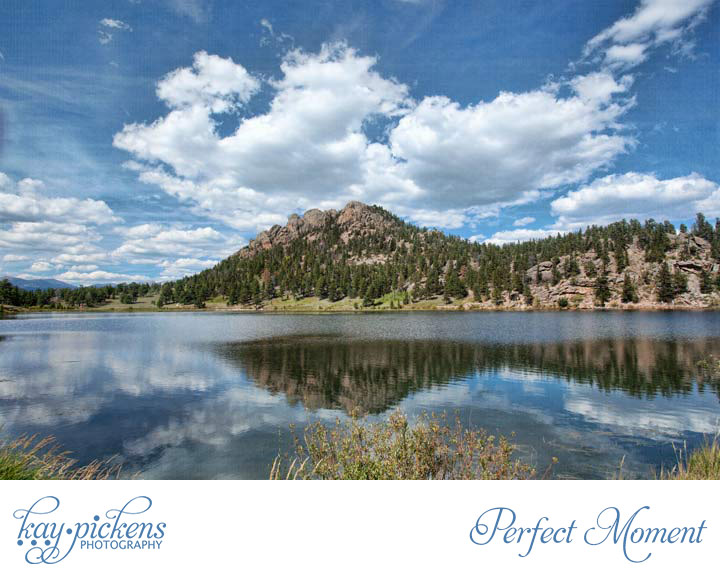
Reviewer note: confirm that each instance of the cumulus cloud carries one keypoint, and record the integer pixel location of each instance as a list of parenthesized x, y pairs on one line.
[(52, 232), (442, 164), (625, 196), (23, 202), (600, 86), (636, 195), (655, 22), (494, 153), (308, 150), (432, 160), (215, 83)]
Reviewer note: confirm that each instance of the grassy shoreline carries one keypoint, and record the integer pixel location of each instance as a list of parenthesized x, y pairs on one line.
[(33, 458), (314, 306), (357, 449)]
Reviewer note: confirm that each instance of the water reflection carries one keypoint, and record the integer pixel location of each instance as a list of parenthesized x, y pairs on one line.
[(333, 372), (183, 396)]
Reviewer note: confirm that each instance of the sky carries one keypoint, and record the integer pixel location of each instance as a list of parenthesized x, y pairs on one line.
[(148, 139)]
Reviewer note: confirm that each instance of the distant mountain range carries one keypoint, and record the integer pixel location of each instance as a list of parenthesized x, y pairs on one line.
[(37, 283)]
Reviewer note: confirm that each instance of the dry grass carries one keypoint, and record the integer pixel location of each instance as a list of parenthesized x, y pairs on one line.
[(30, 457), (702, 463), (432, 448)]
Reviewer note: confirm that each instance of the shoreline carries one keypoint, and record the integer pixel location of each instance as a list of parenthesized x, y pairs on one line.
[(14, 310)]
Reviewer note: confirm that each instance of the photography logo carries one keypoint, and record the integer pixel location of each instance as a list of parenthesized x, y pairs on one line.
[(45, 539)]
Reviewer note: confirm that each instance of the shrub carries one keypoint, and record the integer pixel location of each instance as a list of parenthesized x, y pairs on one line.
[(563, 302), (432, 448)]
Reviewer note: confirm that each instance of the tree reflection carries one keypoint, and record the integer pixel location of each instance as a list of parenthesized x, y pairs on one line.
[(371, 376)]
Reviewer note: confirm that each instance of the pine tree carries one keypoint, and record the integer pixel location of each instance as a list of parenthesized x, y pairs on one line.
[(590, 269), (602, 288), (555, 274), (528, 295), (497, 296), (665, 287), (454, 287), (629, 291), (706, 283), (680, 282)]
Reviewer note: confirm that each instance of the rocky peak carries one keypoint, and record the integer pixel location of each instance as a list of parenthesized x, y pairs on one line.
[(355, 217)]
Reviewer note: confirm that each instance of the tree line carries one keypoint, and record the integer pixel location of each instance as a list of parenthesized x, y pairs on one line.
[(417, 264)]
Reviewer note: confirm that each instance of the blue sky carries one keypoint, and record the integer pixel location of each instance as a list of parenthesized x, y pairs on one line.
[(147, 139)]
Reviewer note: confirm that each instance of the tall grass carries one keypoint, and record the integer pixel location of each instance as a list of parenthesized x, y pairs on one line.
[(30, 457), (702, 463), (432, 448)]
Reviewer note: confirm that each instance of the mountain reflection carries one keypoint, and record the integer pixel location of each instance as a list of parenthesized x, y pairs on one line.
[(371, 376)]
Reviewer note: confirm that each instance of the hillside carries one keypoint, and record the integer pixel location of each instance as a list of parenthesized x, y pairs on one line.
[(365, 257)]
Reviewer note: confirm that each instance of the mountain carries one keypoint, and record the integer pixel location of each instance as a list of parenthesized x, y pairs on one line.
[(365, 257), (37, 283)]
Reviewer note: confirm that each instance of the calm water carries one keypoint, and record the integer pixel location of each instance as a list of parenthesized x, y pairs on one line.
[(202, 395)]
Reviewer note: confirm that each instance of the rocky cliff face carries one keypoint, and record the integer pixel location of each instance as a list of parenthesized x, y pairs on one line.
[(355, 218), (690, 255)]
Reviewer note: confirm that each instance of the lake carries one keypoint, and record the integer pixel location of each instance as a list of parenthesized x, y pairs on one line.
[(210, 395)]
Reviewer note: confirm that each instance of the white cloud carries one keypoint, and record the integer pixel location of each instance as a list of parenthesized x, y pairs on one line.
[(270, 35), (98, 277), (46, 236), (213, 83), (523, 221), (108, 26), (626, 196), (654, 22), (636, 195), (519, 235), (493, 153), (174, 269), (443, 164), (155, 240), (38, 226), (308, 150), (41, 267), (22, 202), (600, 86), (82, 254), (117, 24), (15, 258)]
